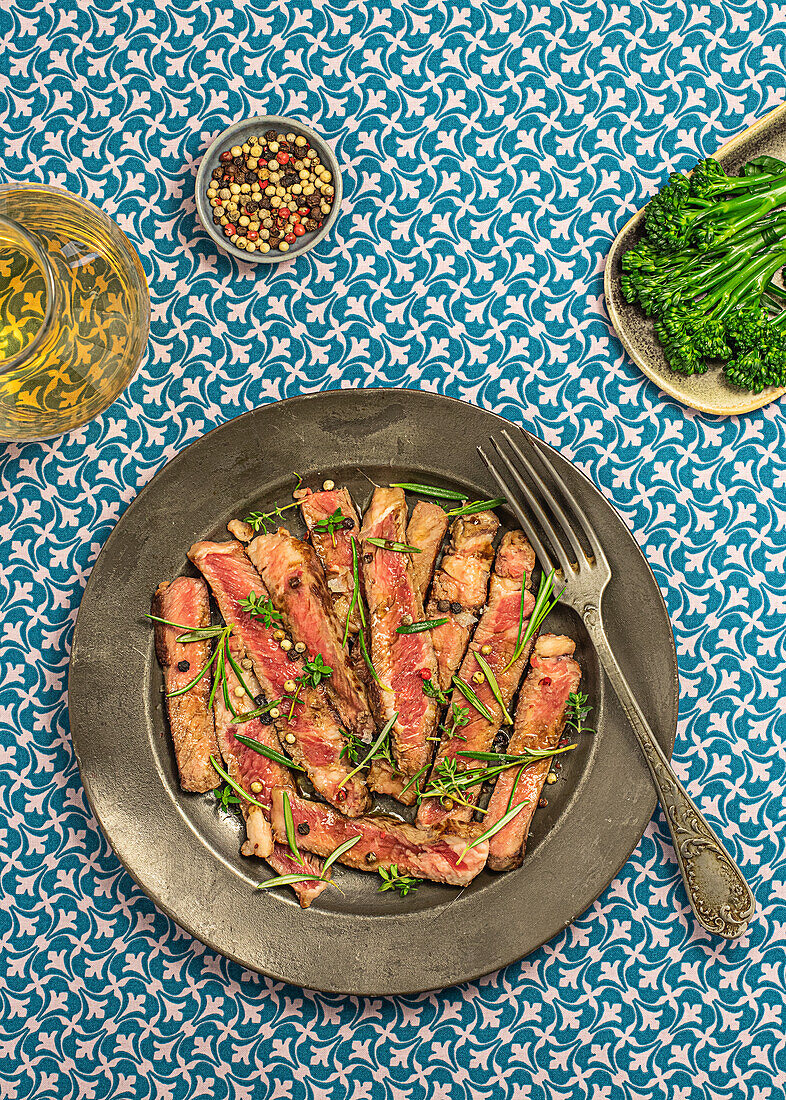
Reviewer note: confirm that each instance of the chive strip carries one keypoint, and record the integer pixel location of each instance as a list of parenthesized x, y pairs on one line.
[(338, 852), (488, 672), (545, 603), (271, 754), (429, 491), (288, 880), (399, 547), (369, 756), (289, 828), (416, 628), (235, 786), (472, 698), (195, 681), (495, 828), (477, 506)]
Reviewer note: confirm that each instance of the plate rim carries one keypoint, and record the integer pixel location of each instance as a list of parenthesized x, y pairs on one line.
[(200, 934), (756, 401)]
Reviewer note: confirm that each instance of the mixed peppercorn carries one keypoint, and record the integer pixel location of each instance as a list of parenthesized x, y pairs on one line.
[(269, 191)]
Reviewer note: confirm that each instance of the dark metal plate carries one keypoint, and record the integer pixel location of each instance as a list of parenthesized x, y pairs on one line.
[(185, 853)]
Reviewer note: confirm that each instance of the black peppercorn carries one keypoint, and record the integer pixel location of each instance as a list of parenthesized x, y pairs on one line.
[(443, 605), (348, 523), (543, 802), (264, 202), (270, 135), (239, 161), (252, 208), (183, 666), (252, 177), (367, 558), (292, 655), (456, 608), (303, 828), (260, 700), (311, 226), (218, 173), (265, 720), (289, 179), (294, 582)]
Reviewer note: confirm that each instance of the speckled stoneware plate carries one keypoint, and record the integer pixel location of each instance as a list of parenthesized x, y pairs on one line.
[(184, 851), (710, 392), (236, 135)]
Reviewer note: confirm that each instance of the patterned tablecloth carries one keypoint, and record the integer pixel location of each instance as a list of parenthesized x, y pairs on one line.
[(490, 152)]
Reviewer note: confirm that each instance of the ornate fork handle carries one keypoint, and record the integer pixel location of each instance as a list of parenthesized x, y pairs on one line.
[(717, 891)]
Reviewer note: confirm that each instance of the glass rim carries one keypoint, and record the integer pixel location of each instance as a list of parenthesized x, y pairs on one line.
[(41, 258)]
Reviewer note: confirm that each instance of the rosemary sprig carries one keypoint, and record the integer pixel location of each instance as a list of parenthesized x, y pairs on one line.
[(271, 754), (472, 698), (330, 524), (429, 491), (578, 709), (237, 671), (235, 786), (391, 544), (392, 880), (545, 603), (371, 752), (493, 829), (289, 829), (261, 607), (288, 880), (417, 628), (337, 853), (477, 506), (448, 782), (204, 632), (491, 679)]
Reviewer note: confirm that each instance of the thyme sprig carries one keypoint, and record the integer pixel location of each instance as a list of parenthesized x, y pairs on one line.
[(258, 520), (366, 761), (392, 880), (226, 797), (545, 602), (449, 781), (261, 607), (330, 524), (434, 691), (578, 709)]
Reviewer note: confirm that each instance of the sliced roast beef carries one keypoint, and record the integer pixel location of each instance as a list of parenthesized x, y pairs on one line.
[(496, 634), (311, 734), (426, 530), (295, 579), (334, 544), (460, 587), (401, 661), (186, 601), (540, 720), (284, 863), (384, 841)]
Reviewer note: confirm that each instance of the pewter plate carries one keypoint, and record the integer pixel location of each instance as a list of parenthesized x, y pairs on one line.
[(184, 852), (710, 392)]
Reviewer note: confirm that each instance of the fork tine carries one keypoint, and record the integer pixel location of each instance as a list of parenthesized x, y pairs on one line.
[(521, 515), (545, 523), (548, 496), (578, 511)]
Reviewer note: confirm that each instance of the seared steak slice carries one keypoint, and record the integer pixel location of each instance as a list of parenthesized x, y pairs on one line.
[(459, 589), (334, 550), (317, 742), (186, 601), (400, 660), (498, 629), (248, 767), (426, 530), (296, 582), (383, 842), (540, 720)]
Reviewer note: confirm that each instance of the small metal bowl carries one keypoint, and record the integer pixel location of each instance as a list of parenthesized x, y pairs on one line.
[(236, 135)]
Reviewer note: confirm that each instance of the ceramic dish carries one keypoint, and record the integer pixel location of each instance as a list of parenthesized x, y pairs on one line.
[(236, 135), (184, 851), (709, 393)]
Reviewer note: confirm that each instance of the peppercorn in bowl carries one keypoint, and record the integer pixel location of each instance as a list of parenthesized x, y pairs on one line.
[(268, 188)]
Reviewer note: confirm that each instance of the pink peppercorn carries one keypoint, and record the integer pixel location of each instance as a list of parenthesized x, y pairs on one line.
[(299, 230), (289, 238), (230, 230), (282, 158)]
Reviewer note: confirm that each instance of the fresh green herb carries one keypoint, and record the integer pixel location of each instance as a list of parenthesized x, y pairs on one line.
[(704, 272), (248, 715), (289, 880), (259, 520), (458, 717), (429, 491), (545, 603), (477, 506), (392, 880), (181, 691), (391, 544), (355, 589), (472, 698), (331, 524), (265, 750), (578, 709), (414, 779), (355, 750), (385, 733), (501, 761), (434, 691), (261, 607), (449, 782), (226, 797), (337, 853), (367, 659), (237, 670), (203, 632), (315, 671), (491, 679), (289, 829), (493, 829), (417, 628), (235, 786)]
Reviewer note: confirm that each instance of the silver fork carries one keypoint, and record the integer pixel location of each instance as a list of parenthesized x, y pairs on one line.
[(718, 893)]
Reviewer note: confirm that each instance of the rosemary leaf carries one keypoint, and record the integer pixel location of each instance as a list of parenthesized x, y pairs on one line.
[(491, 679), (416, 628), (494, 829), (338, 852), (234, 785), (472, 698), (271, 754), (429, 491), (289, 828), (546, 601), (288, 880), (389, 544), (477, 506)]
